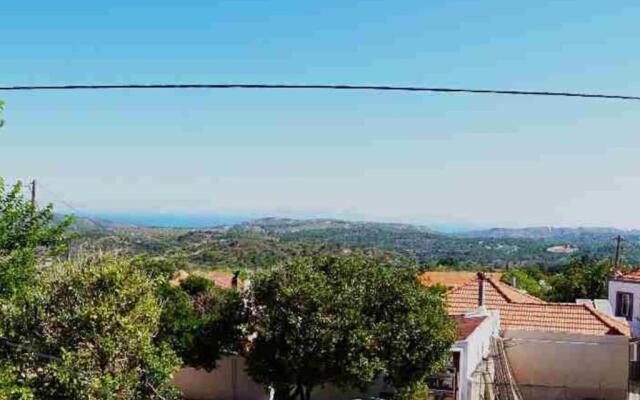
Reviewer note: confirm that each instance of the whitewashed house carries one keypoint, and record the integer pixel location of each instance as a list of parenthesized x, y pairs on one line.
[(468, 377), (624, 296), (556, 351)]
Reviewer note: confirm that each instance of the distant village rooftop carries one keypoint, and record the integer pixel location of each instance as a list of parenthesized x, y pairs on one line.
[(221, 279)]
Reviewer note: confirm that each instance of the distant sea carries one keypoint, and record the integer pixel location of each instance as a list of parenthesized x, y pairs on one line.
[(178, 220), (171, 220)]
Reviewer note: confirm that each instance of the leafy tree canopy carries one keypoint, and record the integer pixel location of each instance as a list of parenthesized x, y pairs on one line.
[(86, 330), (201, 322), (160, 269), (25, 232), (582, 278), (344, 321), (529, 279)]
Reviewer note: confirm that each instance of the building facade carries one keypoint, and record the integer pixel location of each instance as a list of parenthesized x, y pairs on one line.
[(555, 350), (624, 296)]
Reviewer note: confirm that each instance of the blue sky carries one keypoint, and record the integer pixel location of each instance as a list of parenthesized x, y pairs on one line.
[(435, 159)]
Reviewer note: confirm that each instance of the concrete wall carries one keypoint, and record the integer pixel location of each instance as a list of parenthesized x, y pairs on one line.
[(230, 382), (629, 287), (549, 366)]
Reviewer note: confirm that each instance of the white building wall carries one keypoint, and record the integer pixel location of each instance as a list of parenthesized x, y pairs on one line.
[(628, 287), (472, 351)]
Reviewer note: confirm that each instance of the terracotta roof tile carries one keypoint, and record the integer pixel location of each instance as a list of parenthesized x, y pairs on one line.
[(560, 317), (464, 298), (466, 325), (633, 276), (452, 279), (521, 311), (221, 279)]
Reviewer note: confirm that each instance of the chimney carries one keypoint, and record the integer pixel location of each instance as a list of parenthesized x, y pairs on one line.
[(480, 289), (234, 280)]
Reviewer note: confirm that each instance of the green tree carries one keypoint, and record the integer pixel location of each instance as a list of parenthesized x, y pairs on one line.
[(160, 269), (528, 279), (86, 330), (25, 233), (201, 322), (10, 387), (582, 278), (344, 321)]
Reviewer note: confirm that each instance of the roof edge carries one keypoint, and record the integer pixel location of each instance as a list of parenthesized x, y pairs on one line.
[(605, 320)]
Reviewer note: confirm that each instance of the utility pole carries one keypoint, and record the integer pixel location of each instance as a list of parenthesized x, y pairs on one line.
[(33, 193), (616, 258)]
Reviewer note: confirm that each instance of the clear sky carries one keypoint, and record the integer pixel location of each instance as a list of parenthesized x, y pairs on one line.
[(426, 158)]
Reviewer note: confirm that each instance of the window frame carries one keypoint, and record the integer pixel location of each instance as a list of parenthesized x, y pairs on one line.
[(619, 303)]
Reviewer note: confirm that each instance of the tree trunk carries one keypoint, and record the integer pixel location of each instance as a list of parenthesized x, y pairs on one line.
[(283, 392), (286, 392), (308, 390)]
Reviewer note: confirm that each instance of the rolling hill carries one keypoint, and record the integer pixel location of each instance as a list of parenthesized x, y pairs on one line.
[(264, 241)]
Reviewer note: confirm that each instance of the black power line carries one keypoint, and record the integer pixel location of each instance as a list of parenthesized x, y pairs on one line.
[(57, 198), (317, 87)]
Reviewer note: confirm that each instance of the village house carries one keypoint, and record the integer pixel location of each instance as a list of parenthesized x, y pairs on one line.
[(624, 296), (555, 350), (509, 345), (470, 372), (467, 377)]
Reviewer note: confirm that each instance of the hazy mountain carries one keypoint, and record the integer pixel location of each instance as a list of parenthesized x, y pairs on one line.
[(288, 225), (553, 233)]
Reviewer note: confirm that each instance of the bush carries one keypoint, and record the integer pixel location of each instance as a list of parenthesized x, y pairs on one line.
[(85, 331)]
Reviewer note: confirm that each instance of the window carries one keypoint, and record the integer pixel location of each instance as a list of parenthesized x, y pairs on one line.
[(624, 305)]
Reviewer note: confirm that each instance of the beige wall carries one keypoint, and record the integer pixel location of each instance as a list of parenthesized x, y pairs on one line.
[(550, 366), (220, 384), (225, 384)]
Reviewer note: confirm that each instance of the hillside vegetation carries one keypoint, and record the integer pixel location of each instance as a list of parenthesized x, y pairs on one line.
[(263, 242)]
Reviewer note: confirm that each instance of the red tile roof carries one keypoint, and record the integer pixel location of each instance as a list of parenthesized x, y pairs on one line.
[(521, 311), (464, 298), (560, 317), (466, 325), (452, 279), (221, 279), (633, 276)]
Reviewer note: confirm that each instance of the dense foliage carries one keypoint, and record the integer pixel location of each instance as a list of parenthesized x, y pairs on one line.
[(86, 330), (201, 322), (530, 279), (582, 278), (25, 233), (344, 321), (262, 243)]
